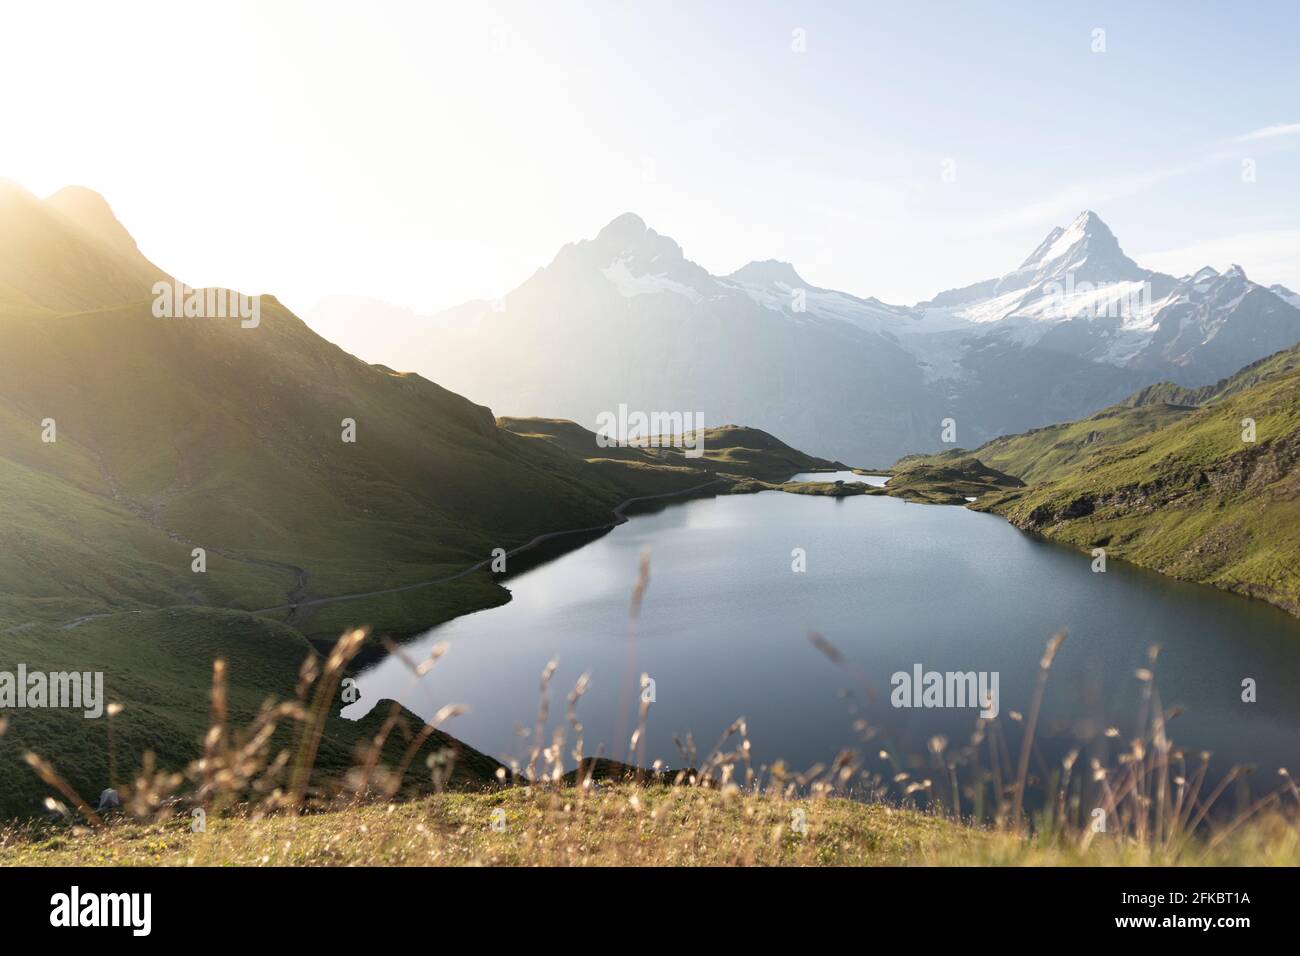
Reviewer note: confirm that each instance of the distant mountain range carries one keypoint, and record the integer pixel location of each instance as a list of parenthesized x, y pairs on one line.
[(627, 318)]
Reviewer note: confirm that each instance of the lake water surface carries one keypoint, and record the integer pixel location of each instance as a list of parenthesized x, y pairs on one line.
[(725, 624)]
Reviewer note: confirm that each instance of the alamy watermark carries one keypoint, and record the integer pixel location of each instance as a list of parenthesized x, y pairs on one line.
[(1127, 299), (684, 430), (922, 688), (132, 911), (176, 300), (57, 690)]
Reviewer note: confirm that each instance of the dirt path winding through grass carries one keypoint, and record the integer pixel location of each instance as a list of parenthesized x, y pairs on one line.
[(619, 518), (296, 604)]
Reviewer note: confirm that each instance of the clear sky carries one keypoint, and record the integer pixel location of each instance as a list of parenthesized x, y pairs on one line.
[(426, 153)]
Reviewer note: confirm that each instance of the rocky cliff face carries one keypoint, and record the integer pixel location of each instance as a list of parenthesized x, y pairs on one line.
[(1269, 468)]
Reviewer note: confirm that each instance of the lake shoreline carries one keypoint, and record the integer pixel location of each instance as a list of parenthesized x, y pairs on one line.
[(722, 591), (741, 485)]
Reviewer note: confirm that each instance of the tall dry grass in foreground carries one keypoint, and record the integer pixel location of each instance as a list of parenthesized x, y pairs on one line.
[(1144, 794), (262, 798)]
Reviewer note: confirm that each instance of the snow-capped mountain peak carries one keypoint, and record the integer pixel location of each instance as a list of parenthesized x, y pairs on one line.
[(627, 237), (1086, 247), (768, 272), (1067, 244), (637, 261), (1042, 253), (1083, 256)]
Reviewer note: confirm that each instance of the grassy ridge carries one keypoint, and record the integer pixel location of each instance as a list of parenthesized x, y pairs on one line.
[(620, 825), (1191, 499), (1047, 453), (230, 439), (951, 481), (1167, 392), (732, 450)]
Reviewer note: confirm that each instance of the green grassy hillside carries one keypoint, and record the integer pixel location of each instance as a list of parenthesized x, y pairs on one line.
[(950, 481), (1191, 499), (230, 439), (732, 450)]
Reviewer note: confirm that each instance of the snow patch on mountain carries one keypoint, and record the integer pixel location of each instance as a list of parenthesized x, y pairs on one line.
[(629, 284), (1285, 294), (777, 286)]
